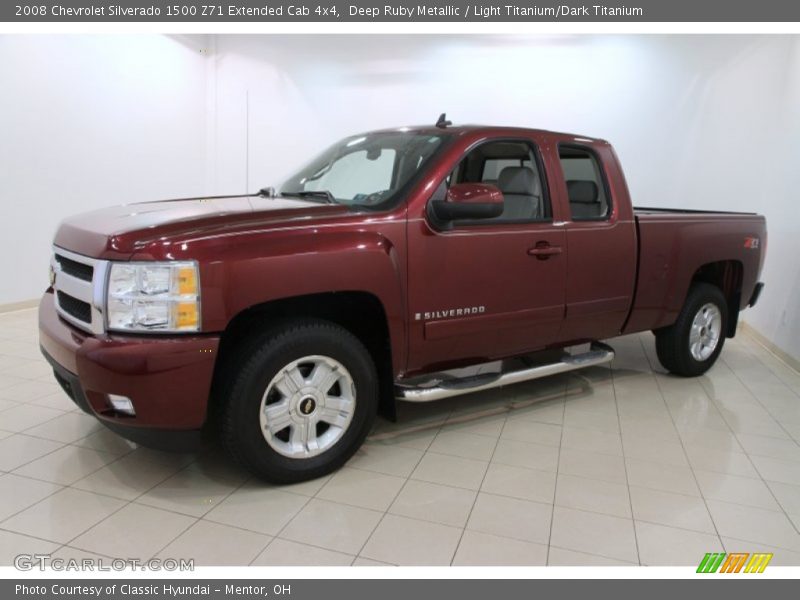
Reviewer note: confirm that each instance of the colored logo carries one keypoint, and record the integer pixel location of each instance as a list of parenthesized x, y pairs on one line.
[(735, 562)]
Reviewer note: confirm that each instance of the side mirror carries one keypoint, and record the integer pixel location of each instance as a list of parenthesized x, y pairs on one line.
[(469, 201)]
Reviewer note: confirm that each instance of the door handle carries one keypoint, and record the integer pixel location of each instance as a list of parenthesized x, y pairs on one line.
[(543, 250)]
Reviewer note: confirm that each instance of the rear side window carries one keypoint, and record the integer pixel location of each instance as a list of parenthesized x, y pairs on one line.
[(586, 188)]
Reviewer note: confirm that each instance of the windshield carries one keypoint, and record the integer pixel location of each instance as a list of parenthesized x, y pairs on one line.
[(365, 170)]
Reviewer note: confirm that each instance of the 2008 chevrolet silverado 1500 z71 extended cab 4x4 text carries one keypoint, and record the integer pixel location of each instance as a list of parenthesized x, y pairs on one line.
[(294, 316)]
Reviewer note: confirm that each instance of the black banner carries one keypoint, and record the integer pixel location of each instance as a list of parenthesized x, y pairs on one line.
[(308, 11)]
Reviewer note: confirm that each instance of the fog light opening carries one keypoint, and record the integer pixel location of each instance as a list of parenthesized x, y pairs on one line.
[(122, 404)]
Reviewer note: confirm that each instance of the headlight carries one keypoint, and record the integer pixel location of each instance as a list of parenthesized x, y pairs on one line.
[(160, 297)]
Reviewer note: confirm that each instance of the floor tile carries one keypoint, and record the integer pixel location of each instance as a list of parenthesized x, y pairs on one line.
[(13, 544), (408, 436), (465, 445), (66, 465), (126, 478), (450, 470), (593, 495), (134, 531), (781, 556), (589, 464), (588, 440), (718, 461), (774, 469), (649, 474), (673, 510), (29, 390), (286, 553), (483, 549), (524, 430), (64, 515), (404, 541), (667, 546), (258, 508), (66, 428), (433, 502), (654, 450), (212, 544), (560, 557), (738, 490), (489, 423), (524, 454), (194, 490), (754, 525), (607, 422), (511, 517), (57, 401), (68, 553), (17, 450), (593, 533), (332, 526), (24, 416), (105, 440), (386, 458), (360, 561), (366, 489), (760, 445), (18, 493), (518, 482), (788, 496)]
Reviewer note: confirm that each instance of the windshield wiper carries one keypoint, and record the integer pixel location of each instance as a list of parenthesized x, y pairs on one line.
[(324, 194)]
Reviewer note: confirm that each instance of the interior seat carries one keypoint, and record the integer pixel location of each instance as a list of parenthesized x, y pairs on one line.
[(522, 192), (584, 199)]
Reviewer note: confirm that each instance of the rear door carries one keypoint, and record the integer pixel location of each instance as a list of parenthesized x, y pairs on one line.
[(490, 288), (601, 238)]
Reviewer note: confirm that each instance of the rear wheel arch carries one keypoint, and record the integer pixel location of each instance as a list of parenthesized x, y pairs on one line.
[(727, 276)]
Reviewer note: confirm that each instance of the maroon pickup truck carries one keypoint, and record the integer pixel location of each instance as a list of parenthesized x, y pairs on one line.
[(291, 317)]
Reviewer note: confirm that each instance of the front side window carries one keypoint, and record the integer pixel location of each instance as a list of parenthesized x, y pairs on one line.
[(513, 168), (365, 171), (585, 185)]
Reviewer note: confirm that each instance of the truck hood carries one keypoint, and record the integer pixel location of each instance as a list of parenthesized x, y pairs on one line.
[(119, 231)]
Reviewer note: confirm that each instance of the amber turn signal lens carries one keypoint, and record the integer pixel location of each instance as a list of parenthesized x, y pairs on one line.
[(186, 315), (187, 281)]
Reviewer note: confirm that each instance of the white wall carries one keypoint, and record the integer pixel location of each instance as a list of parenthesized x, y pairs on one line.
[(698, 121), (89, 121)]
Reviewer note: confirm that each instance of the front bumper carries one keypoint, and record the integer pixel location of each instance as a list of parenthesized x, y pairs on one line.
[(168, 378)]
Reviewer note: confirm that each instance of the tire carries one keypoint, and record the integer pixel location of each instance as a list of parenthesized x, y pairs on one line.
[(312, 376), (689, 353)]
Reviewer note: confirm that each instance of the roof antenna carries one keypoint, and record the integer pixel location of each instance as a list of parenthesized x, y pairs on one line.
[(443, 123)]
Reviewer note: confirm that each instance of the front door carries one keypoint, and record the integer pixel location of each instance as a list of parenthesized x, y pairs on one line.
[(489, 288)]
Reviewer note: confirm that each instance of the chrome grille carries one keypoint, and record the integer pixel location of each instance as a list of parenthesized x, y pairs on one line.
[(77, 308), (75, 268), (80, 284)]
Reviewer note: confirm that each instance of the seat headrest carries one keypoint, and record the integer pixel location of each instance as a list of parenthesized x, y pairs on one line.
[(517, 180), (582, 191)]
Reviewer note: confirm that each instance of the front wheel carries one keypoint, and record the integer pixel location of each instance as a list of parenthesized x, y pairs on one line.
[(692, 344), (301, 402)]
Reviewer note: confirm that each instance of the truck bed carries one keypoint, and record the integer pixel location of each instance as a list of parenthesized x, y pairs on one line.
[(676, 244)]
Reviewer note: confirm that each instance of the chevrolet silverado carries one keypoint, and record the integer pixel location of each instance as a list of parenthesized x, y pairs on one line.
[(291, 317)]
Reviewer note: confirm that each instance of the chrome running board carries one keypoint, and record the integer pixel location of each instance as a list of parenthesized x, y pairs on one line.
[(431, 390)]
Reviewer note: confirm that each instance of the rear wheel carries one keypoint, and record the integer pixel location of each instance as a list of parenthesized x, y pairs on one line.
[(692, 344), (301, 402)]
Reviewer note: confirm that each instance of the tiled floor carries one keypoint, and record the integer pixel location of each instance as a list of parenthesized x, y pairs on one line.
[(607, 466)]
